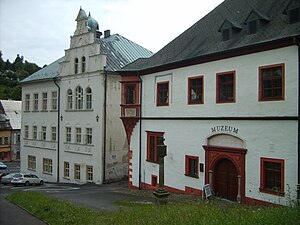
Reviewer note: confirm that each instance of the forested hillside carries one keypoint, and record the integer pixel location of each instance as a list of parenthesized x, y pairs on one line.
[(11, 74)]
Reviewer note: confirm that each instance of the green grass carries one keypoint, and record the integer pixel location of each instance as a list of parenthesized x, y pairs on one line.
[(55, 211)]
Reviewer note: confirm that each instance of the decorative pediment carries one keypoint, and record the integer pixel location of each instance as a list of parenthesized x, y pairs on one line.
[(229, 24)]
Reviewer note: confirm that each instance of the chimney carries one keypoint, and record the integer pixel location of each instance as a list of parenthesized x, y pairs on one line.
[(106, 33)]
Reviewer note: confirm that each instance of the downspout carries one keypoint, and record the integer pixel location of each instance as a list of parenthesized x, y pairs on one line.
[(58, 127), (140, 132), (298, 184), (104, 125)]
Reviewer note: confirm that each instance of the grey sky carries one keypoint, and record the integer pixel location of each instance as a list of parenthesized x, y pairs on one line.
[(40, 30)]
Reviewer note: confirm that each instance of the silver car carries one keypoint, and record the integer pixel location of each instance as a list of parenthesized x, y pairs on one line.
[(26, 179), (8, 178)]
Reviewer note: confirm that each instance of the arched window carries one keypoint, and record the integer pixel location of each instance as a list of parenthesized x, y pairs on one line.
[(88, 98), (69, 99), (76, 65), (83, 64), (79, 98)]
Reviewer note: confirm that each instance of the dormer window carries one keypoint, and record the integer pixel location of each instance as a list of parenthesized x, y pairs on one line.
[(228, 29), (293, 11), (255, 21)]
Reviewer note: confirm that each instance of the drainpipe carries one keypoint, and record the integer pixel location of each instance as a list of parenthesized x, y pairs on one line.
[(140, 132), (104, 125), (298, 185), (58, 126)]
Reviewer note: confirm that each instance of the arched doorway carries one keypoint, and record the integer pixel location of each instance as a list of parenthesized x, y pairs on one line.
[(226, 180)]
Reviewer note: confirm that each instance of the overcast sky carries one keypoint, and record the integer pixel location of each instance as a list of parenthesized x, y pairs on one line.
[(40, 30)]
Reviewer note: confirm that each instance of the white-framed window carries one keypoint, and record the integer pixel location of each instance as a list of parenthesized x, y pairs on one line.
[(31, 162), (66, 169), (34, 132), (89, 136), (53, 133), (89, 173), (44, 101), (69, 99), (54, 100), (79, 98), (26, 131), (44, 133), (78, 135), (68, 134), (47, 165), (27, 102), (77, 171), (36, 101), (88, 98)]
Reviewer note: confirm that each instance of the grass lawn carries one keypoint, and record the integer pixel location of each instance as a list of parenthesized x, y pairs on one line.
[(54, 211)]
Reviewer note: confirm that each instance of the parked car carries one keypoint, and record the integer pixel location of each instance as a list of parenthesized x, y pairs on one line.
[(26, 179), (2, 166), (2, 175), (8, 178)]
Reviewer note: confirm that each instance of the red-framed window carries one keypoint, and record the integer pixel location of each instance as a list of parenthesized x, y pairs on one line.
[(272, 176), (192, 166), (271, 82), (130, 93), (226, 87), (195, 90), (162, 98), (153, 140)]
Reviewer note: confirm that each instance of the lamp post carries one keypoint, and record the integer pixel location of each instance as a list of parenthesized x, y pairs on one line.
[(161, 194)]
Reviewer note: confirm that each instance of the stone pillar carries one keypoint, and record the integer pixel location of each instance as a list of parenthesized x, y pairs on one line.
[(239, 189)]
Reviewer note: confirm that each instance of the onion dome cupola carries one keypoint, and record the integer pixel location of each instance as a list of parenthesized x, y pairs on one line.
[(92, 24), (81, 15)]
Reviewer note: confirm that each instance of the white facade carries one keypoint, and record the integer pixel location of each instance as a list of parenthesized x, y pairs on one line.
[(261, 129)]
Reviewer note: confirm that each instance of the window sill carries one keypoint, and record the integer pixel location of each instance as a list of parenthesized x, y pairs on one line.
[(26, 111), (35, 111), (156, 162), (271, 192), (197, 177), (34, 170), (270, 99), (44, 110), (71, 143), (79, 110), (53, 110), (66, 178), (47, 173)]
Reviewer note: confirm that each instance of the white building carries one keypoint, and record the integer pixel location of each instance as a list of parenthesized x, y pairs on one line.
[(71, 130), (225, 96)]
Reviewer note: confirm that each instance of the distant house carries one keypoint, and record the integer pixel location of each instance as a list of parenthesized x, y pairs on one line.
[(72, 132), (10, 129), (225, 97)]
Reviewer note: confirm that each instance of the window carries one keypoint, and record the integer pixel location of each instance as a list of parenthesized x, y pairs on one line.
[(226, 34), (191, 166), (78, 135), (162, 94), (34, 132), (79, 98), (18, 138), (31, 162), (26, 132), (6, 140), (88, 98), (66, 169), (271, 82), (226, 87), (27, 102), (76, 65), (53, 133), (44, 102), (253, 26), (294, 15), (89, 173), (153, 139), (272, 176), (54, 100), (43, 134), (83, 64), (130, 94), (1, 140), (70, 99), (76, 171), (89, 136), (68, 134), (47, 165), (195, 87), (35, 102)]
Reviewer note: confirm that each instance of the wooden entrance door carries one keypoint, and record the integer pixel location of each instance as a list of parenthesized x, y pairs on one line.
[(225, 180)]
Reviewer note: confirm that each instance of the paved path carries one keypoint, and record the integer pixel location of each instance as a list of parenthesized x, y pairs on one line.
[(11, 214)]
